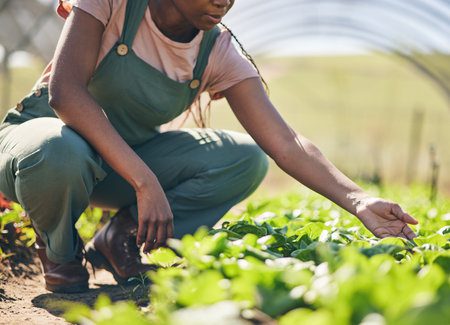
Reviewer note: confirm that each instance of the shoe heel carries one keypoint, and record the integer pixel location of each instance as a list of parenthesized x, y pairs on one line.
[(74, 288), (99, 261), (96, 258)]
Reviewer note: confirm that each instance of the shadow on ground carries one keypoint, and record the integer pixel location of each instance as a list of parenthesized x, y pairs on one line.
[(57, 303)]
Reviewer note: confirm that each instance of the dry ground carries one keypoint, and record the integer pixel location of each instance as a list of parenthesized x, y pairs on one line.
[(24, 300)]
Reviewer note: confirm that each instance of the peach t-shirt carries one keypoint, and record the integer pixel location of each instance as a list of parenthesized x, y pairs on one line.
[(226, 66)]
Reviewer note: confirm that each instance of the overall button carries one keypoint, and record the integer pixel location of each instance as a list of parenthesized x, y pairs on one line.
[(19, 107), (122, 49), (194, 84), (38, 92)]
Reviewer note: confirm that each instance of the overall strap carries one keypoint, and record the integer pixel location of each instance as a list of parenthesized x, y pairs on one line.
[(134, 14), (206, 46)]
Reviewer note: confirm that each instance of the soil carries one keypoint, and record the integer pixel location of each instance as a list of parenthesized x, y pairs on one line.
[(24, 299)]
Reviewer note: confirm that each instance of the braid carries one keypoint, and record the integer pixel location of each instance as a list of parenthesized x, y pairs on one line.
[(247, 55), (202, 116)]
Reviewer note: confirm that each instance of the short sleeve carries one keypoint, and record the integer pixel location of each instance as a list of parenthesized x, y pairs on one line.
[(64, 8), (100, 9), (228, 66)]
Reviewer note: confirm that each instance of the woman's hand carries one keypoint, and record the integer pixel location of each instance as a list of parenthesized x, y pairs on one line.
[(74, 63), (155, 218), (384, 218), (301, 159)]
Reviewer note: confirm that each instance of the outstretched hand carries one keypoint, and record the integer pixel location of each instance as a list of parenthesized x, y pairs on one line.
[(384, 218)]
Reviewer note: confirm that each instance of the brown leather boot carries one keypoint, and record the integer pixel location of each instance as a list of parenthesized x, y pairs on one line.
[(114, 249), (69, 277)]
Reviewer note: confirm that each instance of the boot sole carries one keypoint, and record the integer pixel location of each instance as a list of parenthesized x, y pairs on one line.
[(74, 288), (99, 261)]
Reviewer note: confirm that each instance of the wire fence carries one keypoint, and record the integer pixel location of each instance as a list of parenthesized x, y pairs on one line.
[(26, 25)]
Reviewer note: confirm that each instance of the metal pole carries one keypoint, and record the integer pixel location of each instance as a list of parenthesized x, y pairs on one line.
[(415, 140), (6, 82)]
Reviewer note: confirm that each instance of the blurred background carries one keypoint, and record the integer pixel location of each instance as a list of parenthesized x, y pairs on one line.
[(366, 81)]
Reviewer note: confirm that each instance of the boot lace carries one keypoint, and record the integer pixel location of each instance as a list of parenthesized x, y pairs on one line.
[(86, 261)]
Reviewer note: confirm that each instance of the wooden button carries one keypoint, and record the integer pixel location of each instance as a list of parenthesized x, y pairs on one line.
[(19, 107), (122, 49), (38, 92), (194, 84)]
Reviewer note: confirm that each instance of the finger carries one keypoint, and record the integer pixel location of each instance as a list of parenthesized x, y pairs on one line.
[(150, 238), (170, 229), (384, 235), (161, 235), (141, 233), (402, 215), (409, 233), (377, 225)]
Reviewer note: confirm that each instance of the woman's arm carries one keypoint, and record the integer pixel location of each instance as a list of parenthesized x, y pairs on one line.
[(74, 63), (301, 159)]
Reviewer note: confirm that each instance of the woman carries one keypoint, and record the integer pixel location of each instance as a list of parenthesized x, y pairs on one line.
[(121, 69)]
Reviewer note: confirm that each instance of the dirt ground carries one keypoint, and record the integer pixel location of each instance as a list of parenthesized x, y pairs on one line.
[(24, 300)]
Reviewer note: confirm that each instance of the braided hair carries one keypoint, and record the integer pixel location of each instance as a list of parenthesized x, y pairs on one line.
[(201, 115), (247, 55)]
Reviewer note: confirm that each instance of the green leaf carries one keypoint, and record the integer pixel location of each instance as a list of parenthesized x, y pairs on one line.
[(77, 313), (262, 255), (312, 230), (381, 249), (243, 228), (306, 254), (307, 316), (231, 234), (275, 240), (277, 301), (444, 230), (103, 301), (105, 313), (443, 261), (164, 257), (393, 241), (205, 288), (436, 239)]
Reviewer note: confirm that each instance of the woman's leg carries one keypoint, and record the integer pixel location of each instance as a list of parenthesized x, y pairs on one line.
[(51, 171), (203, 172)]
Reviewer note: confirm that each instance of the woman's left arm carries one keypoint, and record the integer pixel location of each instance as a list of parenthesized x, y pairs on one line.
[(301, 159)]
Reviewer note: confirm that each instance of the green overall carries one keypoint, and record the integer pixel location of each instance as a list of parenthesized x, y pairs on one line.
[(55, 174)]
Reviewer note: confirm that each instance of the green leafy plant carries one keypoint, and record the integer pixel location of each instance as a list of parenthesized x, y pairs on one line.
[(297, 259)]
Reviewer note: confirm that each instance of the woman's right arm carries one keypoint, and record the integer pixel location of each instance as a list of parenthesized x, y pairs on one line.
[(73, 65)]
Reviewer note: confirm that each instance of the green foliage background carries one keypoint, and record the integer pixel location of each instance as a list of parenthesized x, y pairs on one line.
[(357, 109), (298, 259)]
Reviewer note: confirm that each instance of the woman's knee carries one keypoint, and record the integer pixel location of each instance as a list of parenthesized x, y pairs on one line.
[(56, 177), (246, 168), (67, 149), (247, 163), (256, 164), (62, 156)]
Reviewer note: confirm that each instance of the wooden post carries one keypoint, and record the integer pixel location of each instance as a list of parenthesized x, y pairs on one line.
[(6, 83), (434, 177), (415, 140)]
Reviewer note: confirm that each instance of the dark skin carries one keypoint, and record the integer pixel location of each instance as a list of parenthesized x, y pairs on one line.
[(181, 20), (74, 63)]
